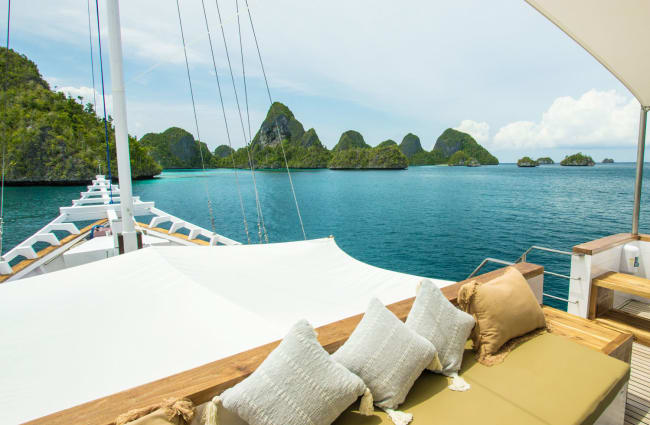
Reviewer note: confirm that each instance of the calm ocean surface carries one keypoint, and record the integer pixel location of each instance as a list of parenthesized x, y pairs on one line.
[(432, 221)]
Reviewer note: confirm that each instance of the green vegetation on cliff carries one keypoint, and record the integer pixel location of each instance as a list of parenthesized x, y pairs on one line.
[(452, 141), (223, 151), (578, 159), (177, 148), (545, 160), (460, 158), (349, 140), (51, 138), (385, 157), (411, 145), (389, 142), (527, 162), (608, 161)]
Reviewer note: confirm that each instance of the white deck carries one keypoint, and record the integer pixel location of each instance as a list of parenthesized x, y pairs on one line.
[(637, 409)]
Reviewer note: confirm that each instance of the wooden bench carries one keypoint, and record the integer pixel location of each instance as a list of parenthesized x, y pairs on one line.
[(601, 303), (204, 382)]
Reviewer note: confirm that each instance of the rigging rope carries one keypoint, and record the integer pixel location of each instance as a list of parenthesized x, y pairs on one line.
[(268, 91), (4, 139), (250, 134), (101, 70), (225, 120), (241, 120), (92, 61), (196, 120)]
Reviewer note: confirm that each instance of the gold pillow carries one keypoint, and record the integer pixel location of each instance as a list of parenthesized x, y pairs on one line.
[(504, 308)]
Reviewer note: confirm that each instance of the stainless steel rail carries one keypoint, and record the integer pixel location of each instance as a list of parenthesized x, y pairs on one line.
[(522, 258)]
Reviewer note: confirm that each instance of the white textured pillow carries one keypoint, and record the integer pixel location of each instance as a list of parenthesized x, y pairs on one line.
[(297, 384), (387, 355), (446, 326)]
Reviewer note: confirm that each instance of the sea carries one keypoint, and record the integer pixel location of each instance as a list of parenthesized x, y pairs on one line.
[(433, 221)]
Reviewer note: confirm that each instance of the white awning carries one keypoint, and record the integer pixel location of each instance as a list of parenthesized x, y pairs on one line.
[(615, 32), (75, 335)]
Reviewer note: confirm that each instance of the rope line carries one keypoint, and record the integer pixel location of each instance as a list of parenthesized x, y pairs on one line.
[(196, 120), (4, 139), (92, 61), (241, 119), (225, 120), (250, 133), (101, 70), (268, 91)]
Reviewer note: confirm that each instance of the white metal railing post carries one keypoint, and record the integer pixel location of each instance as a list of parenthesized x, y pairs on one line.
[(640, 156), (121, 129)]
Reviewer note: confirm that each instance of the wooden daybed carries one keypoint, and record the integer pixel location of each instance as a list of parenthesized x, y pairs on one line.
[(545, 378)]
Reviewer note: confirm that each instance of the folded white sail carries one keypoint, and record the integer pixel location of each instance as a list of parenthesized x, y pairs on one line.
[(615, 32)]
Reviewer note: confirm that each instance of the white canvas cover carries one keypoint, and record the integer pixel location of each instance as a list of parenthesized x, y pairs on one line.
[(615, 32), (75, 335)]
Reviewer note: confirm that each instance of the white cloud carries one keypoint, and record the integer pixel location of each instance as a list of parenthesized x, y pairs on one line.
[(597, 118), (478, 130)]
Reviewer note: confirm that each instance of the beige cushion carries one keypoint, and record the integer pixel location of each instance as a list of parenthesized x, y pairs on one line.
[(504, 308), (548, 380)]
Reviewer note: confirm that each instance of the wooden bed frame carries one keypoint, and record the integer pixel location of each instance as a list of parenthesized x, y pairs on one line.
[(204, 382)]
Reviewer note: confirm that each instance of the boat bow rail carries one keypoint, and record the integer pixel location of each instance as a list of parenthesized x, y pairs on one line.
[(99, 204)]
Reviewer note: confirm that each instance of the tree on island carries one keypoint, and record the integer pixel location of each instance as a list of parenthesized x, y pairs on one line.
[(578, 160), (527, 162), (545, 160), (608, 161)]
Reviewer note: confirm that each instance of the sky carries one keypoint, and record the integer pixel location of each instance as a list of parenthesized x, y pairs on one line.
[(497, 70)]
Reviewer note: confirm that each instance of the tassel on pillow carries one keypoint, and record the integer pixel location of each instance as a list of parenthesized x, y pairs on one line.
[(211, 412), (366, 407), (398, 417)]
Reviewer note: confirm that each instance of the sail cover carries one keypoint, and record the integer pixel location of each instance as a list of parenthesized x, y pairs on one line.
[(615, 32), (79, 334)]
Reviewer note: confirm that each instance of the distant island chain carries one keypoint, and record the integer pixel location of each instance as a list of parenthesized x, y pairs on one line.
[(55, 139)]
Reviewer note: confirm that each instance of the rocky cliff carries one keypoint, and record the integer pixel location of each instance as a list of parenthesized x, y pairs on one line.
[(411, 145), (52, 138), (177, 148)]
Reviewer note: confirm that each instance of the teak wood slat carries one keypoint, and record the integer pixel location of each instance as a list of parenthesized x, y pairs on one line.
[(43, 252), (176, 235), (623, 282), (626, 322), (603, 244), (204, 382)]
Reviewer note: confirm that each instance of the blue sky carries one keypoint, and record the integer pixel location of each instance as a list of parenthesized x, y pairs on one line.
[(496, 69)]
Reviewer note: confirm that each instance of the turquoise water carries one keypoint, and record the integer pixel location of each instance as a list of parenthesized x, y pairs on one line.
[(432, 221)]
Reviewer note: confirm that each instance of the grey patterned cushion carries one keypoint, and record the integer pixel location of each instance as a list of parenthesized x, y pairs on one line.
[(387, 355), (297, 384), (447, 327)]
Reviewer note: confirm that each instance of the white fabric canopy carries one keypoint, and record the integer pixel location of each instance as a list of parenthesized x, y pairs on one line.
[(78, 334), (615, 32)]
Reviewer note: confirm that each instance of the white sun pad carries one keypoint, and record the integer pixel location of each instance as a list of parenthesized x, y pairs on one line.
[(75, 335)]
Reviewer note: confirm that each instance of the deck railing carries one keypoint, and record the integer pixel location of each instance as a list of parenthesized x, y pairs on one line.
[(522, 259)]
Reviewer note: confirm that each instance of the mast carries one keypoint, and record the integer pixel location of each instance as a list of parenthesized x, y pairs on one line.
[(121, 130), (639, 169)]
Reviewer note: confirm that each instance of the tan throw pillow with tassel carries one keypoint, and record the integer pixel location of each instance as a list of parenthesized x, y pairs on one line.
[(504, 308), (170, 412)]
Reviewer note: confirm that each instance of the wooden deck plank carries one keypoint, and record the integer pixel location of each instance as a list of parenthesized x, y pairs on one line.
[(603, 244), (176, 235), (618, 319), (624, 282)]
